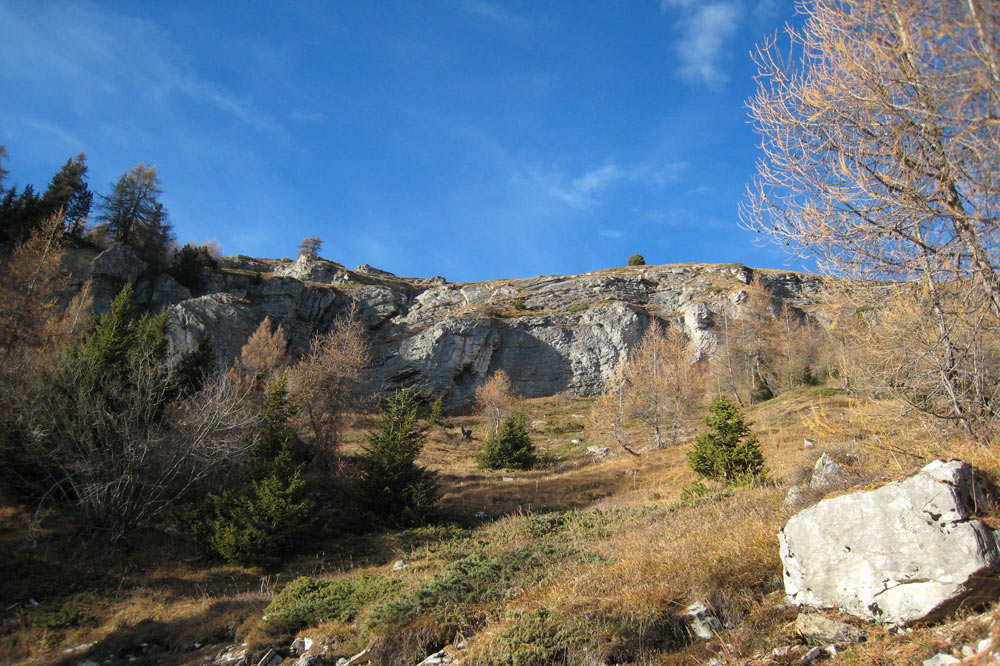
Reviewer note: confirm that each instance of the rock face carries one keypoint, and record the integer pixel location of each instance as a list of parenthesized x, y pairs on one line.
[(906, 552), (550, 334)]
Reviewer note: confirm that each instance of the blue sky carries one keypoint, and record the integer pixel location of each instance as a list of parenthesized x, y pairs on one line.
[(473, 139)]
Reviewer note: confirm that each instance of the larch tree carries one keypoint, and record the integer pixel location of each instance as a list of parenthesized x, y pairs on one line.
[(880, 149), (661, 384), (263, 357), (133, 215), (497, 398), (326, 380)]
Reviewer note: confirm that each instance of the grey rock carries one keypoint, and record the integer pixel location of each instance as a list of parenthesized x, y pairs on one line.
[(941, 659), (118, 263), (827, 473), (904, 552), (270, 658), (702, 622), (436, 659), (365, 268), (599, 451), (809, 657), (446, 339), (821, 629), (794, 495), (167, 291), (301, 645), (399, 565)]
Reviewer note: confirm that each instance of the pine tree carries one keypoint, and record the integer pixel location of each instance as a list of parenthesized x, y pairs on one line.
[(728, 450), (510, 447), (68, 191), (393, 485)]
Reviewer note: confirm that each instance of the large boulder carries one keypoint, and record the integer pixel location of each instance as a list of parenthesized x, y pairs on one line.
[(905, 552)]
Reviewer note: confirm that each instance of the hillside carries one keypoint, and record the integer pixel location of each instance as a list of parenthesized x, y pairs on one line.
[(588, 560), (550, 334)]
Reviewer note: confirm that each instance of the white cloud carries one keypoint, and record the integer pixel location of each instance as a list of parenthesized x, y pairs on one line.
[(95, 58), (496, 13), (585, 190), (613, 234), (705, 28)]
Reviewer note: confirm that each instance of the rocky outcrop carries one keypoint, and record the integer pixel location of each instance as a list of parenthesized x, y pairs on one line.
[(550, 333), (905, 552)]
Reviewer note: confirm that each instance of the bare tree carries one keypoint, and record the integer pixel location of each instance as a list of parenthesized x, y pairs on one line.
[(497, 398), (309, 247), (880, 157), (325, 382)]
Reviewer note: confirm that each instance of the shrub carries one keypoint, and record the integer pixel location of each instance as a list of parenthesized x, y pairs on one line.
[(577, 307), (509, 447), (519, 305), (728, 450), (308, 601), (637, 260), (392, 485)]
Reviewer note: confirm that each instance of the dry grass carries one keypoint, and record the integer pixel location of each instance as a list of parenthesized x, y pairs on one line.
[(620, 554)]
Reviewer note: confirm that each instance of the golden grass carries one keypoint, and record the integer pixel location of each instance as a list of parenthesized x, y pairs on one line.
[(647, 554)]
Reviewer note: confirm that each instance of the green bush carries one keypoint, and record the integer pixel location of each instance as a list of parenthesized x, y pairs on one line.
[(308, 601), (436, 416), (728, 450), (259, 526), (577, 307), (509, 447), (637, 260), (393, 486)]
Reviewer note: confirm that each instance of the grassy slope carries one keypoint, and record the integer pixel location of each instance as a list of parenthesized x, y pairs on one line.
[(584, 560)]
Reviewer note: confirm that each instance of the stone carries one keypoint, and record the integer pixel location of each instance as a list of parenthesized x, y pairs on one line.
[(599, 451), (270, 658), (821, 629), (446, 339), (809, 657), (399, 565), (360, 658), (827, 473), (436, 659), (301, 645), (794, 495), (902, 553), (167, 291), (702, 622), (119, 263), (941, 659), (807, 443)]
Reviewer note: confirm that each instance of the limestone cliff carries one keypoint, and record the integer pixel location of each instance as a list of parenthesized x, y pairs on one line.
[(550, 334)]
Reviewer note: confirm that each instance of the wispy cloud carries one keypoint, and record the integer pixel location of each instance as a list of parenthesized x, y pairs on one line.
[(586, 190), (705, 28), (613, 234), (94, 57), (498, 14)]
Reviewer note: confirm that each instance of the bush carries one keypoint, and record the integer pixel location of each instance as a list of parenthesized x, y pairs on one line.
[(436, 416), (308, 601), (637, 260), (392, 485), (728, 450), (509, 447)]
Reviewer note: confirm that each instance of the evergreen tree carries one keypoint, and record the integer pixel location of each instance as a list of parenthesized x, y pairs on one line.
[(728, 450), (20, 214), (132, 214), (68, 190), (259, 527), (509, 447), (393, 486)]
